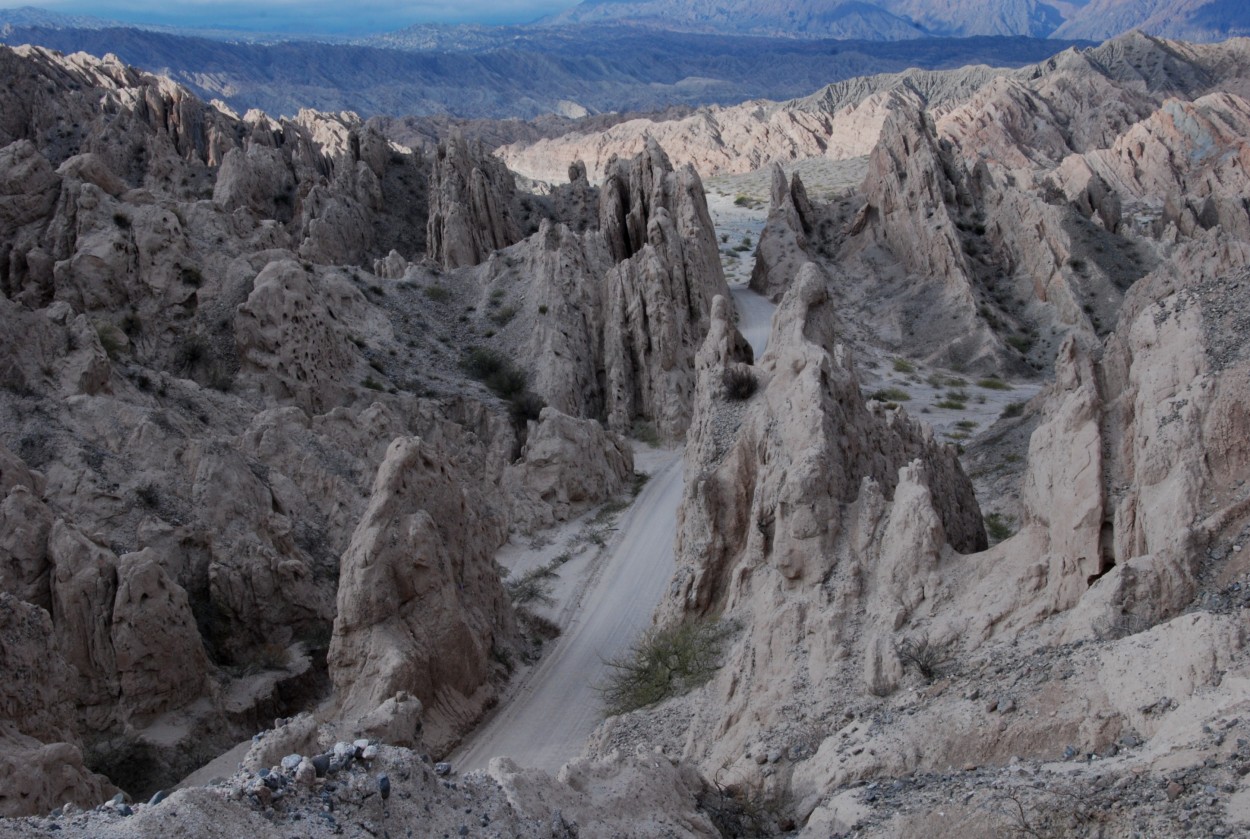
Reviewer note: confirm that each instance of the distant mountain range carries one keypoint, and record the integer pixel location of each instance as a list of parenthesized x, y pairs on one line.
[(612, 56), (1195, 20), (572, 71)]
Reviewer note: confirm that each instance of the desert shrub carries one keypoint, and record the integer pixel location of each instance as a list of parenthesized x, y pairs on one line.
[(891, 394), (645, 432), (149, 495), (1020, 343), (746, 812), (534, 586), (503, 316), (437, 293), (920, 655), (740, 383), (191, 352), (951, 404), (495, 371), (998, 526), (1015, 409), (993, 383), (372, 383), (526, 406), (902, 365), (663, 663)]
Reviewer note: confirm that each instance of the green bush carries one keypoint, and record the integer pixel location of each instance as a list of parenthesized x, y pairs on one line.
[(110, 340), (993, 383), (1021, 343), (891, 394), (495, 371), (534, 586), (503, 316), (664, 663), (1015, 409), (998, 526), (902, 365), (437, 293)]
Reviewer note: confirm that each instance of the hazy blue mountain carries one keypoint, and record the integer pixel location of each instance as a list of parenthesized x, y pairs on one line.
[(539, 71), (1201, 20)]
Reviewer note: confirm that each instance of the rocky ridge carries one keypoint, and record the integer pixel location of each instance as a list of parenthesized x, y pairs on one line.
[(235, 408), (878, 651)]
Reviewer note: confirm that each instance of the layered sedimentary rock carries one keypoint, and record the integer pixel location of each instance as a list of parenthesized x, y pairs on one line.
[(470, 205)]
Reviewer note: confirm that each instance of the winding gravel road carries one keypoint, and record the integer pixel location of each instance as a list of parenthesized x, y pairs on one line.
[(546, 722)]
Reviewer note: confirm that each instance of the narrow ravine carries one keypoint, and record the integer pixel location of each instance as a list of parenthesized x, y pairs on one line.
[(548, 718)]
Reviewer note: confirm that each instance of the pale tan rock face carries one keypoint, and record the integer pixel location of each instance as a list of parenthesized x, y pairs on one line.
[(42, 763), (160, 659), (470, 198), (782, 247), (420, 606), (567, 464), (618, 313), (84, 590), (659, 294), (293, 335)]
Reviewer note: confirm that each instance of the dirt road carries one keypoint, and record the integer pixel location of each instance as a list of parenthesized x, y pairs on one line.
[(546, 722)]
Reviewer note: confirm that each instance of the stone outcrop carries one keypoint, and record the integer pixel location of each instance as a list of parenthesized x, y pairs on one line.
[(42, 760), (470, 213), (659, 294), (736, 514), (782, 247), (420, 606), (612, 317), (294, 334), (567, 464)]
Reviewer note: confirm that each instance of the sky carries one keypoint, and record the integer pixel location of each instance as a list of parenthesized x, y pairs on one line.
[(305, 16)]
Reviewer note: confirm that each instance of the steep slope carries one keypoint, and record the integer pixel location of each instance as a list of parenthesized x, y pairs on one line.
[(218, 422), (1189, 20)]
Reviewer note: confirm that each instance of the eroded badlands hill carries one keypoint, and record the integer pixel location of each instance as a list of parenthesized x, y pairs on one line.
[(267, 421)]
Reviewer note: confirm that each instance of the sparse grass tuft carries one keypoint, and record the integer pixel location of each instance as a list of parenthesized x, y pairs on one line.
[(993, 383), (920, 654), (663, 663)]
